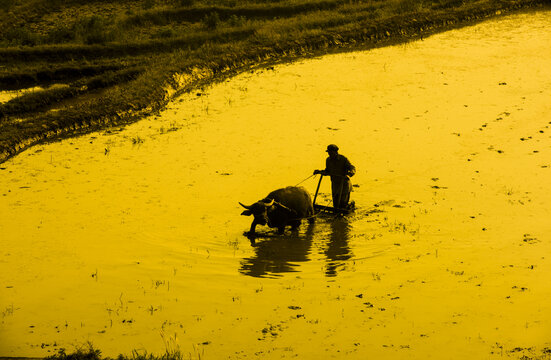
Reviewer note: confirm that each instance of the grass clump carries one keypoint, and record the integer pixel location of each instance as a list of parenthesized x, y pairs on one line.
[(211, 21), (148, 4), (87, 30), (187, 3), (21, 36), (89, 353), (93, 30), (6, 5), (235, 20), (165, 33)]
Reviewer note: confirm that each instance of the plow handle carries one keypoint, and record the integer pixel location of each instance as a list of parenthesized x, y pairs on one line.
[(317, 190)]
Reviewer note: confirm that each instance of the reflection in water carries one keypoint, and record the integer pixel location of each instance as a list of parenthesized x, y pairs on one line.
[(338, 250), (277, 254)]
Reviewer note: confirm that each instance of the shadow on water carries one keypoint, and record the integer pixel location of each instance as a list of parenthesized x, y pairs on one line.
[(277, 254), (337, 250)]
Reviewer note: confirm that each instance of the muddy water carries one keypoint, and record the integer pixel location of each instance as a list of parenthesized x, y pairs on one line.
[(133, 239)]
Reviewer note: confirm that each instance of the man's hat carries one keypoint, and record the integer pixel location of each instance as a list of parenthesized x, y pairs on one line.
[(332, 147)]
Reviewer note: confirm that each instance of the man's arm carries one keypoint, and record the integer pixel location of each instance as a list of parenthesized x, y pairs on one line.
[(325, 171)]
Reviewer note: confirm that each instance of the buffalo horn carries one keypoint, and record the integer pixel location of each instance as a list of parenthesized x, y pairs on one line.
[(268, 203), (245, 206)]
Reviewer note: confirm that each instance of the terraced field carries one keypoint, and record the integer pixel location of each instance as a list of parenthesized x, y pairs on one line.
[(68, 67)]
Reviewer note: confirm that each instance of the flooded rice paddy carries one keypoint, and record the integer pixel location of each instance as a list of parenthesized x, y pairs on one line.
[(132, 238)]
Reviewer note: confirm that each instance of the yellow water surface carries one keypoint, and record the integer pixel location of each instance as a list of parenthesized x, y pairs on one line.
[(132, 238)]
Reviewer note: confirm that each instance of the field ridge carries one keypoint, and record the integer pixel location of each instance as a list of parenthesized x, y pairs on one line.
[(107, 78)]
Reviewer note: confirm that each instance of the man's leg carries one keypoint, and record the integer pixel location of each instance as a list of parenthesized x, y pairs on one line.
[(345, 197), (340, 195), (336, 188)]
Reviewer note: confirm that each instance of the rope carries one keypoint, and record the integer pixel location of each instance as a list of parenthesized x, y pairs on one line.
[(328, 201), (305, 179)]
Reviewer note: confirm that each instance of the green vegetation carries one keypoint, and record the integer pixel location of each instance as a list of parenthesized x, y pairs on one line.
[(117, 61), (89, 353)]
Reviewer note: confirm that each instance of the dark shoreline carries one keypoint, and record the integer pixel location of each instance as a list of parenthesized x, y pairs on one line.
[(391, 31)]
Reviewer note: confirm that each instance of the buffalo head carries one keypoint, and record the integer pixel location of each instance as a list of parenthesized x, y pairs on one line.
[(259, 210)]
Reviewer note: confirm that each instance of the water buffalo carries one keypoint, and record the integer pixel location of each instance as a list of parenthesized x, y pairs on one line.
[(282, 207)]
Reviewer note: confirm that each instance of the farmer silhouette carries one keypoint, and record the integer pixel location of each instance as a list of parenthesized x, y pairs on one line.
[(339, 168)]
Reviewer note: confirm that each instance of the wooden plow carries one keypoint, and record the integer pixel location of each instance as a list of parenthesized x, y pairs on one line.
[(329, 209)]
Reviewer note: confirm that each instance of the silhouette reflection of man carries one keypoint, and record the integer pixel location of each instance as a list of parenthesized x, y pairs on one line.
[(337, 250), (340, 169)]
